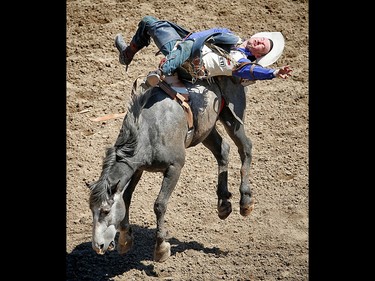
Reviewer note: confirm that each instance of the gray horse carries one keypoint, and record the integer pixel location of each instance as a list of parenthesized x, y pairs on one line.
[(153, 138)]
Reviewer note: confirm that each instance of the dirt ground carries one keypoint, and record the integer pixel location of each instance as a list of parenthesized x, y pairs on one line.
[(270, 244)]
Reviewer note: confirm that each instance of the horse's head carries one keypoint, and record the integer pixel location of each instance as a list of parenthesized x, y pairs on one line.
[(108, 210)]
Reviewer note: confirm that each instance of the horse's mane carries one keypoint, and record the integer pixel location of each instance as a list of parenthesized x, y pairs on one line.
[(100, 188), (127, 139), (125, 146)]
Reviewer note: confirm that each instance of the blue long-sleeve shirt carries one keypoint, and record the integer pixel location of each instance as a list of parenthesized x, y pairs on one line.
[(258, 72), (206, 32)]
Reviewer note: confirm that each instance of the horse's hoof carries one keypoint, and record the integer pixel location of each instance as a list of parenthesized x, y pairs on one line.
[(224, 209), (246, 210), (124, 248), (163, 252), (125, 242)]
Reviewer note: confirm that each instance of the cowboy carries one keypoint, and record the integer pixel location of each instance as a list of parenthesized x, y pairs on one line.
[(208, 53)]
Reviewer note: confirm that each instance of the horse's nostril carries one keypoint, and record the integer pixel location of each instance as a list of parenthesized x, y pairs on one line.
[(101, 246)]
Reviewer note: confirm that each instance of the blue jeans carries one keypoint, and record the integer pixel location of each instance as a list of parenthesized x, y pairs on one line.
[(177, 57), (165, 36)]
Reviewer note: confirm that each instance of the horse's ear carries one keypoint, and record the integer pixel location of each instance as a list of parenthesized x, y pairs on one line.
[(120, 186)]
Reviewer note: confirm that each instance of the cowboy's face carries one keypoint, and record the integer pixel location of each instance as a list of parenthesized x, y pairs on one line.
[(258, 46)]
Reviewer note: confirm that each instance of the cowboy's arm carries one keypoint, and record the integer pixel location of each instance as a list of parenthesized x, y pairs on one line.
[(206, 32), (256, 72), (253, 72)]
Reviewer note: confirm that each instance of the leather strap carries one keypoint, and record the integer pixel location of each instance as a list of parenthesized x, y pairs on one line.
[(181, 100)]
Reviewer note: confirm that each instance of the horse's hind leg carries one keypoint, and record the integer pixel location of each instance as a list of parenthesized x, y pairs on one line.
[(125, 240), (162, 248), (237, 133), (220, 149)]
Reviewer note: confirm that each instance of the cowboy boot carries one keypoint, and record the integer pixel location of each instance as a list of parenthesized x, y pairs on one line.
[(127, 52)]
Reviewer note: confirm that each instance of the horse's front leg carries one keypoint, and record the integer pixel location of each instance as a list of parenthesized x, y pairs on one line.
[(220, 149), (237, 133), (125, 239), (162, 248)]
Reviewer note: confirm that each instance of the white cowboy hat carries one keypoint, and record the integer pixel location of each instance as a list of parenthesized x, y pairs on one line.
[(276, 51)]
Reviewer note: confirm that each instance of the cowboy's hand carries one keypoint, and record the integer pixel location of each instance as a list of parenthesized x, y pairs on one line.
[(284, 72)]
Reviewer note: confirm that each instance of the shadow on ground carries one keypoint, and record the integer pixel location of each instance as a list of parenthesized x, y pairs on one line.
[(84, 264)]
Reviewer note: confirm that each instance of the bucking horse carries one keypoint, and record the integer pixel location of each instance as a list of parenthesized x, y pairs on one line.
[(156, 131)]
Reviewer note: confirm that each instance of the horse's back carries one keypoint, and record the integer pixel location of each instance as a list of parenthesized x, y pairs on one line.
[(169, 118), (164, 121)]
